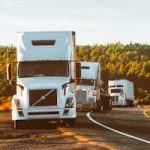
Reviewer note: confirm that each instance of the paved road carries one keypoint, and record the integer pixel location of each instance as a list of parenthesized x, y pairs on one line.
[(85, 135), (126, 120)]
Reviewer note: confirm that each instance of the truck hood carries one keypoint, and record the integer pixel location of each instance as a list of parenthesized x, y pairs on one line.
[(42, 82)]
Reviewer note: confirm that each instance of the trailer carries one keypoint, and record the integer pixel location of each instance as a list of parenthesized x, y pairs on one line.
[(46, 77), (122, 92)]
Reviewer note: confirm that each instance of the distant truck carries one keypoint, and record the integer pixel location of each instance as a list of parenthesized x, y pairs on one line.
[(46, 77), (88, 86), (122, 92), (89, 94)]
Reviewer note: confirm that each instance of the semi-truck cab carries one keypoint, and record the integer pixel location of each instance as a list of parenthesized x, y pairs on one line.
[(88, 86), (122, 92), (46, 77)]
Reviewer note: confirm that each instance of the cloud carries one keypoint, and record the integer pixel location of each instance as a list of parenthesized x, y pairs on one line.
[(50, 6), (95, 10), (47, 23), (83, 11)]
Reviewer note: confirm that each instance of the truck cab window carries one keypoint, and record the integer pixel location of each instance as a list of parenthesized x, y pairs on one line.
[(43, 42), (116, 90), (89, 82), (43, 68)]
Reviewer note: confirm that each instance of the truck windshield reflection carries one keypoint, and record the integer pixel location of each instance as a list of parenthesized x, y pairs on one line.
[(85, 82), (43, 68), (116, 91)]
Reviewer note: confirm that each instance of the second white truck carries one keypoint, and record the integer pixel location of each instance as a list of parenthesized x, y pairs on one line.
[(122, 92), (88, 86)]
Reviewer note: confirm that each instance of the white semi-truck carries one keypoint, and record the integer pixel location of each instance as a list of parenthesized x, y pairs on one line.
[(122, 92), (90, 94), (88, 86), (46, 77)]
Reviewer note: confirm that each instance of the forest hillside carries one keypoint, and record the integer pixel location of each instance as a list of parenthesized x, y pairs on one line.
[(118, 61), (122, 61)]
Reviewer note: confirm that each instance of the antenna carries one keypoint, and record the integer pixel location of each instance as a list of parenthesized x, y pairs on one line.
[(8, 66)]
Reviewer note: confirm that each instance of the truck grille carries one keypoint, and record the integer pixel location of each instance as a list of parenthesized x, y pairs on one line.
[(91, 99), (114, 98), (44, 97), (81, 95)]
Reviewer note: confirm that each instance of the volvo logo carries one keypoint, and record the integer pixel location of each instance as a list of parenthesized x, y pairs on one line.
[(42, 98)]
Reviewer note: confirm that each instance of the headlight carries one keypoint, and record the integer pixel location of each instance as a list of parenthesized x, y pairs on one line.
[(95, 92), (17, 103), (69, 102)]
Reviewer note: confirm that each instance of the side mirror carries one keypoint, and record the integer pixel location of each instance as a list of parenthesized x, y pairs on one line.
[(78, 70), (65, 84), (9, 73), (71, 81)]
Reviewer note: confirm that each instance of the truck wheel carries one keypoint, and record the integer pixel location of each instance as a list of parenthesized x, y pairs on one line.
[(130, 103), (99, 105), (110, 104), (110, 107), (19, 124), (107, 104), (127, 104), (94, 110), (69, 122)]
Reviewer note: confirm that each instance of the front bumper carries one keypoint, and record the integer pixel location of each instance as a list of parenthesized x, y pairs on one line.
[(86, 105), (31, 114)]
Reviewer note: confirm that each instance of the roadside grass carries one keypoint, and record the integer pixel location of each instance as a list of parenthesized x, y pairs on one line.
[(5, 103), (143, 106), (5, 106)]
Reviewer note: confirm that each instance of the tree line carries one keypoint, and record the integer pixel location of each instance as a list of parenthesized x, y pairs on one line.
[(122, 61), (118, 61)]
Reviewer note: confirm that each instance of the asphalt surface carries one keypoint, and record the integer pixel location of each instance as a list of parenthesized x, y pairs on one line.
[(85, 134), (127, 120)]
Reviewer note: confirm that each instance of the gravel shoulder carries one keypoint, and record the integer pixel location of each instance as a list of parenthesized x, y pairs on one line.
[(85, 135)]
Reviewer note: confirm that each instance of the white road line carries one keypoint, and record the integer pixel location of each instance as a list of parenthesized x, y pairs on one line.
[(114, 130)]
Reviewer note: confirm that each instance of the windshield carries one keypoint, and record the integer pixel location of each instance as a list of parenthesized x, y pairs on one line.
[(85, 82), (43, 68), (116, 91)]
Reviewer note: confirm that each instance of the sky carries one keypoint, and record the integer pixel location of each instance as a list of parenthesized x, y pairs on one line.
[(94, 21)]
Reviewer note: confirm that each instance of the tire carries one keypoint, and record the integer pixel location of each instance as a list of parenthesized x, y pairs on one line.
[(110, 104), (99, 105), (130, 103), (94, 110), (19, 124), (107, 104), (69, 122), (110, 107)]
